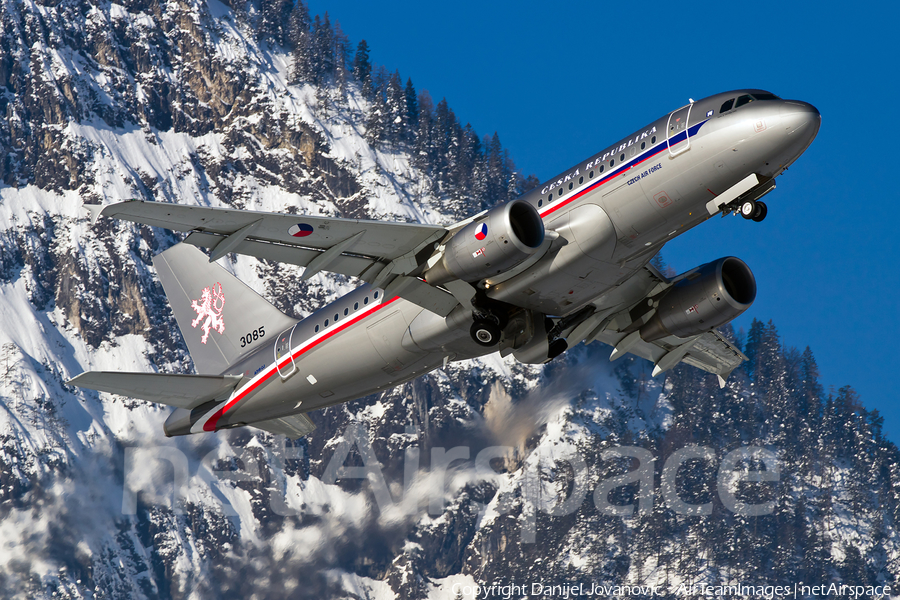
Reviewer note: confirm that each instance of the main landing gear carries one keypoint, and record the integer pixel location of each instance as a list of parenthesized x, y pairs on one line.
[(754, 209), (491, 318), (485, 332)]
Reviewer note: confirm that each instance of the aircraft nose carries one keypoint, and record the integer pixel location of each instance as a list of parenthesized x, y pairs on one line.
[(801, 120)]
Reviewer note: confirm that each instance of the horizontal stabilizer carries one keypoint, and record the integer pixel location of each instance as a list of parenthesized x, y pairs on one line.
[(182, 391), (294, 426)]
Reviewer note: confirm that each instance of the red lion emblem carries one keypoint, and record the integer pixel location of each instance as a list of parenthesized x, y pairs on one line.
[(209, 307)]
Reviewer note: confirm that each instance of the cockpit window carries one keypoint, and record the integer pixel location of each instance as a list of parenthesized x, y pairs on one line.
[(766, 96), (745, 99), (727, 106)]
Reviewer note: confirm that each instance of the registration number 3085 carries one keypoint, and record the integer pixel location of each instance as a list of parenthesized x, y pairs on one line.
[(251, 337)]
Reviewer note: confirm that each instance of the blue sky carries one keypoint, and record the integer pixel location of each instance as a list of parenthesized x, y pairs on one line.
[(560, 81)]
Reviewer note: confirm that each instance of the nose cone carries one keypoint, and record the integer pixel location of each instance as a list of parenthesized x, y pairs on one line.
[(801, 120)]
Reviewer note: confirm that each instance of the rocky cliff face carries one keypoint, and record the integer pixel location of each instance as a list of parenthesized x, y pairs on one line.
[(482, 472)]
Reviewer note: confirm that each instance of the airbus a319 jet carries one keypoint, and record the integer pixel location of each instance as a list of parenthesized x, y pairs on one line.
[(565, 263)]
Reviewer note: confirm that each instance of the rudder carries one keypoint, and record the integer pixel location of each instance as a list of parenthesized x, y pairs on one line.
[(220, 317)]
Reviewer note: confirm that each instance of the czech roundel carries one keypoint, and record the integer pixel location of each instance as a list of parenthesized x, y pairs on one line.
[(300, 230), (481, 232)]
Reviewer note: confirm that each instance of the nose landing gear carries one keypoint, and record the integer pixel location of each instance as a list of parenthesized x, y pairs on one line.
[(755, 210)]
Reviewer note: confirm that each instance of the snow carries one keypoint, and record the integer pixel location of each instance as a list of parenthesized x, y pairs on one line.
[(95, 434)]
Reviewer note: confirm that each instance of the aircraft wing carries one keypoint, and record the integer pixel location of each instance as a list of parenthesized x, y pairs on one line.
[(182, 391), (381, 253), (710, 352), (293, 426)]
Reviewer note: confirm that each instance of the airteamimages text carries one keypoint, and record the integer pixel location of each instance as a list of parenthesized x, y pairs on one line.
[(474, 591)]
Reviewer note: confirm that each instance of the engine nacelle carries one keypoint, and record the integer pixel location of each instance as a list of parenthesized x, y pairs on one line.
[(500, 240), (713, 295)]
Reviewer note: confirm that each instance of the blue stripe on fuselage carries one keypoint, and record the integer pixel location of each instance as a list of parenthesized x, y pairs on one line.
[(650, 153)]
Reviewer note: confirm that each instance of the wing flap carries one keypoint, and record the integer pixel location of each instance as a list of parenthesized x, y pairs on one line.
[(714, 354), (710, 352), (182, 391), (353, 266), (294, 426)]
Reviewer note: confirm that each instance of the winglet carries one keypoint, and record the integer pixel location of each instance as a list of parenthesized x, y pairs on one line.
[(722, 377), (95, 211)]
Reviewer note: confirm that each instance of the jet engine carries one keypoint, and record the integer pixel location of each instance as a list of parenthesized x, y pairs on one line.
[(708, 297), (499, 240)]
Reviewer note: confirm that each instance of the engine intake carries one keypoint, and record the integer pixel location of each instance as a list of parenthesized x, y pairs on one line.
[(500, 240), (713, 295)]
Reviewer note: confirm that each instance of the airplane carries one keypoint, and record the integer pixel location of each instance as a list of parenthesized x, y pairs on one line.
[(565, 263)]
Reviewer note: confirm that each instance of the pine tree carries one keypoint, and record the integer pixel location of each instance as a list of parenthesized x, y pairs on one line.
[(529, 183), (395, 103), (444, 142), (301, 44), (498, 173), (754, 337), (323, 50), (274, 21), (376, 128), (341, 53), (467, 161), (412, 110), (377, 122), (362, 68), (422, 155)]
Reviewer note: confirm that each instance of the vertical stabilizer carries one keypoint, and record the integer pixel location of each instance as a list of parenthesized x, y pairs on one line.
[(220, 318)]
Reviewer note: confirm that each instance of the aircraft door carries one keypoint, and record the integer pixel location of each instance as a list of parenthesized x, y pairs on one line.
[(282, 351), (677, 139)]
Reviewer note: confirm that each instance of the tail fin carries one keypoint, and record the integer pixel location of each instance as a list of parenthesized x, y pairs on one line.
[(220, 318)]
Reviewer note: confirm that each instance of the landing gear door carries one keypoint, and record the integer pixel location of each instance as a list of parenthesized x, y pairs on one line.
[(677, 138), (284, 360)]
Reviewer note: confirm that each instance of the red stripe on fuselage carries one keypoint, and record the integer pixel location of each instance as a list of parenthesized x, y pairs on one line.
[(210, 424)]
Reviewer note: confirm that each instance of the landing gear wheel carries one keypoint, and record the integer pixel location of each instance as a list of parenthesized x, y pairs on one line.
[(748, 209), (485, 333), (761, 211)]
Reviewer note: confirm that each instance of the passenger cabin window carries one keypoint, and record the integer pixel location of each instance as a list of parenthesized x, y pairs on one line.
[(375, 295), (540, 202), (346, 310), (570, 185), (727, 106), (653, 140), (580, 180), (317, 329), (326, 322), (602, 167), (745, 99), (356, 306)]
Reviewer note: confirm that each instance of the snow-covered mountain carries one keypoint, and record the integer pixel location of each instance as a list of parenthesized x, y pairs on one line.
[(484, 472)]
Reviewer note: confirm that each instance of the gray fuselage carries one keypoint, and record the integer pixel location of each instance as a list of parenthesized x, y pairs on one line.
[(612, 213)]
